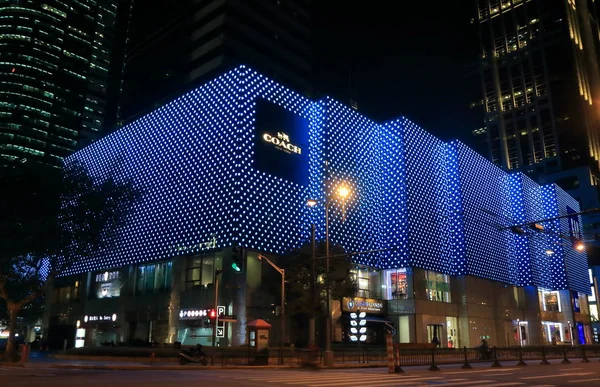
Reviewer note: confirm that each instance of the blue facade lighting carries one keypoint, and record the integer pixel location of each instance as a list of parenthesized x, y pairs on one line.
[(200, 161)]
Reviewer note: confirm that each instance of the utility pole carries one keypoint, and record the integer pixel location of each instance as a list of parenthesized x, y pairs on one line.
[(311, 324), (216, 323)]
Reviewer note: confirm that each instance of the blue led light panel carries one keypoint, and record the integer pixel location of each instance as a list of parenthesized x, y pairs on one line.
[(555, 244), (393, 186), (486, 207), (273, 214), (426, 197), (576, 265), (352, 152), (533, 209), (182, 158)]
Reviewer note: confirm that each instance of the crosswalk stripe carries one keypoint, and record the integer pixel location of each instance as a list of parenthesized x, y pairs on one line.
[(399, 382), (556, 376), (479, 382), (584, 380), (480, 371), (317, 376), (504, 384)]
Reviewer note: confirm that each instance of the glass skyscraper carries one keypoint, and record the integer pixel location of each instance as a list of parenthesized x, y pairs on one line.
[(58, 81)]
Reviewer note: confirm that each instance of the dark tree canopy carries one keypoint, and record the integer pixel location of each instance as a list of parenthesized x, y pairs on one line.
[(51, 219)]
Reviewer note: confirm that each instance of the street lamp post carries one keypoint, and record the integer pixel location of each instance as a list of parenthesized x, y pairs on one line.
[(282, 272), (343, 193), (214, 338), (311, 325)]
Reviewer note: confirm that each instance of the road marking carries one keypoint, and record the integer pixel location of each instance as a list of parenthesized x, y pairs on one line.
[(471, 372), (479, 382), (339, 382), (504, 374), (504, 384), (584, 380), (556, 375), (401, 381), (569, 369), (296, 379)]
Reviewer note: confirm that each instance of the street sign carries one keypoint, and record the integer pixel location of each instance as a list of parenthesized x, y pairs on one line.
[(228, 318), (220, 332), (220, 310)]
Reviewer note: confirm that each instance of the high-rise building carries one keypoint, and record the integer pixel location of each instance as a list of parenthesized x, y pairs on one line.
[(176, 45), (58, 79), (538, 84)]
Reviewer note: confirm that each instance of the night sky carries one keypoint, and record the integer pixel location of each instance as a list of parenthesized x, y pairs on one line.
[(409, 59)]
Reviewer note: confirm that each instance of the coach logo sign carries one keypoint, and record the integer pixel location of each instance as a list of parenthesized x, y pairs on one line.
[(282, 142)]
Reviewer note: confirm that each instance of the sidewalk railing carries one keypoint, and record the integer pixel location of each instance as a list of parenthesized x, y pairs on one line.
[(403, 356), (513, 355)]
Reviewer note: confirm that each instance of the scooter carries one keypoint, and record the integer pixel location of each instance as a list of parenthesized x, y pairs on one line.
[(192, 355)]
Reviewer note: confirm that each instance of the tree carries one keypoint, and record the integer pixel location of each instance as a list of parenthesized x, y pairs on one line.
[(52, 219), (301, 304)]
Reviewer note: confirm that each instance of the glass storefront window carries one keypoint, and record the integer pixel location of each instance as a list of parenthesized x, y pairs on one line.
[(201, 271), (437, 286), (396, 284), (153, 278), (550, 301)]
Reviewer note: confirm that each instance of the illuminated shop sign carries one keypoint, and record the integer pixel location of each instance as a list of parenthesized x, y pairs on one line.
[(282, 142), (107, 284), (207, 245), (102, 317), (192, 314), (368, 305), (358, 327), (107, 276)]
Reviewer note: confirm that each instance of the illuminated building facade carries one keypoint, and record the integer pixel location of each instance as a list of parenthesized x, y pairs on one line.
[(58, 76), (537, 84), (234, 162)]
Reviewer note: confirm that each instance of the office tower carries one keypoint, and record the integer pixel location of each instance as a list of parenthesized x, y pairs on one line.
[(57, 80), (538, 89), (176, 45)]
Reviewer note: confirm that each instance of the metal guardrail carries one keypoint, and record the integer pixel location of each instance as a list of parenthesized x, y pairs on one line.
[(402, 356)]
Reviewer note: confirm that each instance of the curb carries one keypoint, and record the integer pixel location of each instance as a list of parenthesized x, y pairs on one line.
[(198, 368), (10, 364)]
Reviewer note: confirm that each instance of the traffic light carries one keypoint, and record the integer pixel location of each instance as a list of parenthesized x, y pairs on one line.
[(237, 258), (212, 316)]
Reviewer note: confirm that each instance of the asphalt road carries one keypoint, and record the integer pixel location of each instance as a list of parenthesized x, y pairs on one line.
[(575, 374)]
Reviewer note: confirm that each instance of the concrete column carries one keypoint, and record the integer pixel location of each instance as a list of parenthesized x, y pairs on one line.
[(177, 285), (533, 315)]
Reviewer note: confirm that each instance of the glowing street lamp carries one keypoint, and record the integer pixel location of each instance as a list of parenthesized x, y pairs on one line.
[(342, 192)]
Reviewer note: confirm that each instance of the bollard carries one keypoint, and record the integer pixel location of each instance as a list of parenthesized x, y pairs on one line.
[(390, 353), (521, 363), (544, 360), (565, 360), (433, 366), (495, 363), (466, 365), (584, 358), (152, 358), (398, 367)]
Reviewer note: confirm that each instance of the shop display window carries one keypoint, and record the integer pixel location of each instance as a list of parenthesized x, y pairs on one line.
[(437, 286)]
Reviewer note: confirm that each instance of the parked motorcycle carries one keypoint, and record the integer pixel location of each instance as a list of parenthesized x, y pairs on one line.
[(192, 355)]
